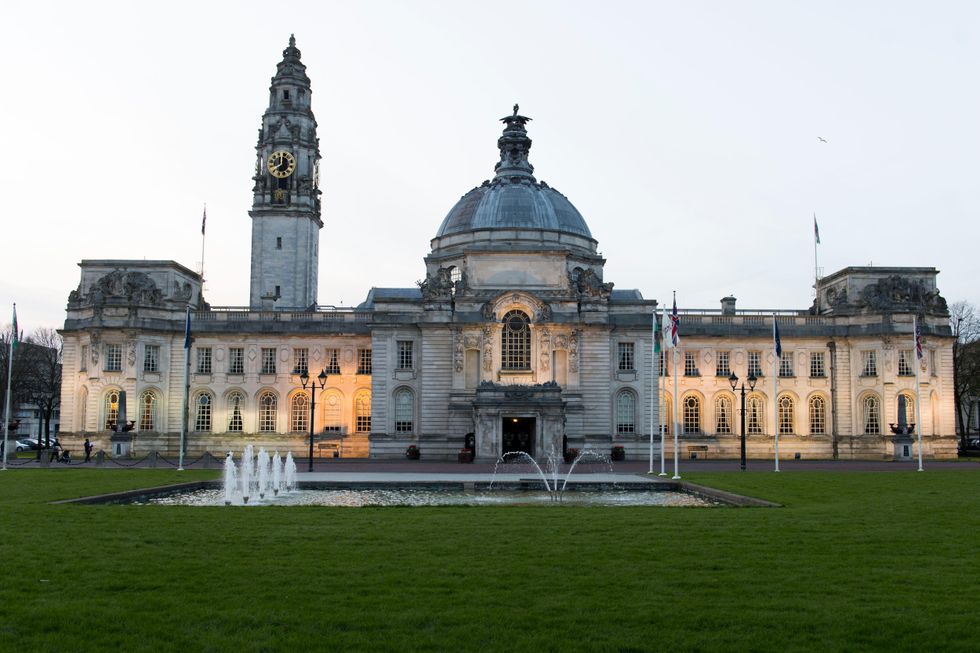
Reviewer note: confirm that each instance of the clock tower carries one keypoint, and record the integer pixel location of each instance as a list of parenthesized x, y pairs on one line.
[(286, 202)]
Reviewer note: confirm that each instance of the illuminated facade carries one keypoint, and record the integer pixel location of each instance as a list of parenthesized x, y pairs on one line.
[(514, 340)]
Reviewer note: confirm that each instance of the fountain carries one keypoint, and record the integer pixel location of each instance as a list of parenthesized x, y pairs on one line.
[(555, 487), (290, 472), (231, 479), (276, 474), (245, 472), (262, 463)]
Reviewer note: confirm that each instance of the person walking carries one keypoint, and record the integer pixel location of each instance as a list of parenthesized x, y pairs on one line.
[(88, 450)]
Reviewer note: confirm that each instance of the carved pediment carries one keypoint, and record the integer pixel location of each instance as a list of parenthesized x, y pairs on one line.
[(118, 285)]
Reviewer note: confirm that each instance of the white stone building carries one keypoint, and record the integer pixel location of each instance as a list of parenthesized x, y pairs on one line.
[(514, 341)]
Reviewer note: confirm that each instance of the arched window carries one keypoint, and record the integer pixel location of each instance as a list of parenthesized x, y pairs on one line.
[(818, 415), (148, 411), (268, 412), (625, 412), (362, 413), (299, 413), (203, 405), (692, 414), (332, 412), (111, 408), (909, 408), (404, 411), (872, 415), (786, 415), (754, 418), (236, 401), (723, 414), (515, 342)]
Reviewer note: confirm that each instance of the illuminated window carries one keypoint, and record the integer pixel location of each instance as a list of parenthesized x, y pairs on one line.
[(362, 413), (202, 416), (332, 412), (364, 361), (786, 415), (515, 342), (691, 364), (404, 411), (235, 422), (722, 363), (786, 364), (869, 363), (755, 363), (333, 362), (148, 411), (692, 415), (301, 360), (236, 360), (723, 414), (625, 412), (818, 415), (268, 360), (872, 415), (203, 360), (405, 355), (817, 366), (151, 358), (111, 408), (754, 418), (299, 413), (113, 358), (626, 356), (268, 412)]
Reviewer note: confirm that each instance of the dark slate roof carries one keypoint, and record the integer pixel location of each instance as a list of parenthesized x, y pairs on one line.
[(625, 295), (383, 294)]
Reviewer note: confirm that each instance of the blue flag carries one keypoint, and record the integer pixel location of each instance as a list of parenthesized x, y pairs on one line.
[(775, 337), (187, 330)]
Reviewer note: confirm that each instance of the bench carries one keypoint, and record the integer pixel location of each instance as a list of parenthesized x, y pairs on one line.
[(698, 451)]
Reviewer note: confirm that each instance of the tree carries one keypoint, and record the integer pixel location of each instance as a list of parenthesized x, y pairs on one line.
[(965, 324), (44, 380), (19, 376)]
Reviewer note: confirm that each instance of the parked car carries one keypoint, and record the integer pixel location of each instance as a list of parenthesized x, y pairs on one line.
[(25, 445)]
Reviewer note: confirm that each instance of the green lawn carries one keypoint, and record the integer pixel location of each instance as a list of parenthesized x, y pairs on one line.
[(854, 561)]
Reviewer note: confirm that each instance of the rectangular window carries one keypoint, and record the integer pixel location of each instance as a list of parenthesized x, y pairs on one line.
[(817, 364), (405, 355), (723, 365), (301, 360), (113, 358), (236, 360), (869, 363), (905, 363), (933, 369), (83, 363), (755, 363), (203, 360), (786, 364), (691, 364), (664, 363), (278, 242), (363, 361), (333, 362), (268, 360), (151, 358), (625, 355)]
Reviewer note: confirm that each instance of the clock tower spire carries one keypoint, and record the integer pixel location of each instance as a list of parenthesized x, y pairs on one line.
[(286, 194)]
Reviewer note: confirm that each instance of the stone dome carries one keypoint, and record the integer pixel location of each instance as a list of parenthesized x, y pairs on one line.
[(514, 199)]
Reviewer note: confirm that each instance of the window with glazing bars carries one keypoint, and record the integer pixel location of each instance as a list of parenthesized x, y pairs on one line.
[(625, 356), (236, 360), (786, 364), (203, 360), (755, 363), (817, 365), (515, 342), (818, 416), (299, 413), (363, 361), (905, 363), (301, 360), (267, 413), (113, 358), (333, 362), (723, 415), (151, 358), (692, 415), (722, 363), (664, 363), (869, 363), (362, 413), (202, 416), (111, 408), (786, 414), (625, 412), (754, 418), (404, 411), (406, 360), (691, 364), (147, 411), (235, 422), (268, 360), (872, 415)]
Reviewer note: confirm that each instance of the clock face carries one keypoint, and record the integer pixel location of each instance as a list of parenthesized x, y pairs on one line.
[(281, 164)]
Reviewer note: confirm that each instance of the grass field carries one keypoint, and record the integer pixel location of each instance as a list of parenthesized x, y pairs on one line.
[(854, 561)]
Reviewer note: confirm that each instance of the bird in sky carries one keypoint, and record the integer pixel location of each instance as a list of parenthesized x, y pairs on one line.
[(821, 139)]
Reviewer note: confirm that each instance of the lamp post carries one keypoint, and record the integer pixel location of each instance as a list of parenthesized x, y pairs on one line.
[(304, 379), (733, 380)]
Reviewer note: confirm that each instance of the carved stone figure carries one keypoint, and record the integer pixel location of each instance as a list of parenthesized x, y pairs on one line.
[(437, 286), (131, 353), (573, 351), (588, 284), (471, 342), (488, 312), (181, 292), (458, 352), (487, 349), (95, 338), (134, 287), (896, 292)]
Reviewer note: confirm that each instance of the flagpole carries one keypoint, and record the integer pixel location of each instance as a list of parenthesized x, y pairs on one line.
[(676, 339), (187, 385), (203, 223), (6, 410), (662, 388), (775, 396), (654, 368), (816, 241), (917, 348)]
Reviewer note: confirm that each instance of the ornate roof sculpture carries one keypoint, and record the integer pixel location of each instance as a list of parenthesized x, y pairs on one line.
[(514, 199)]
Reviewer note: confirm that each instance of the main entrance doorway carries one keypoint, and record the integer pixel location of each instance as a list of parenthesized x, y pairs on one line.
[(518, 435)]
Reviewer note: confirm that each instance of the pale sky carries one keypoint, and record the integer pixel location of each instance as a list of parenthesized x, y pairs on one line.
[(685, 133)]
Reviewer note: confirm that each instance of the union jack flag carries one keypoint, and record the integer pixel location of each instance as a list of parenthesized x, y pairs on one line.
[(675, 336), (918, 339)]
